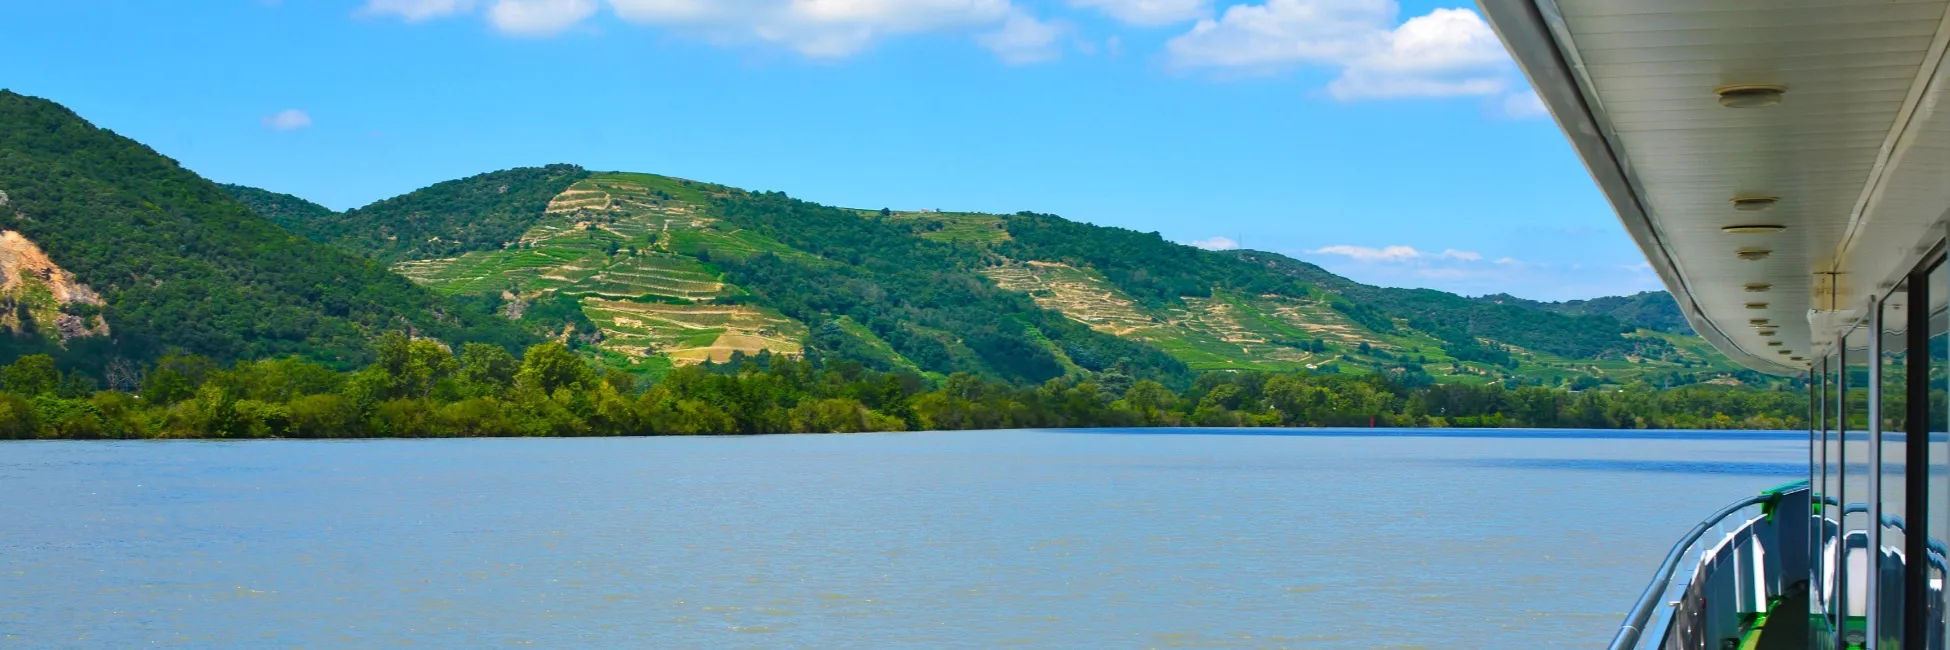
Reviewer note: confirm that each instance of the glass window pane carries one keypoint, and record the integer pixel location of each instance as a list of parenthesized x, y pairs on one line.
[(1852, 557), (1892, 449), (1938, 513), (1825, 486)]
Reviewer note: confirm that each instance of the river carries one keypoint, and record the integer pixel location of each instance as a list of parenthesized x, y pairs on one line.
[(1280, 538)]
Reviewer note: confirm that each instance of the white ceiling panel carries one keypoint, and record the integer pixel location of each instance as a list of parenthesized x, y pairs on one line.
[(1855, 151)]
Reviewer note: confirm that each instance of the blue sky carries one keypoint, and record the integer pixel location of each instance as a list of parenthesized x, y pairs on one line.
[(1394, 144)]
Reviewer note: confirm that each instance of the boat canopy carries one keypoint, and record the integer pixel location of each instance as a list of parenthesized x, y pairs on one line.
[(1777, 160)]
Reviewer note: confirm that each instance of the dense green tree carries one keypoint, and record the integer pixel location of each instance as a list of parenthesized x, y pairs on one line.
[(486, 369), (18, 421), (415, 388), (30, 375), (548, 367)]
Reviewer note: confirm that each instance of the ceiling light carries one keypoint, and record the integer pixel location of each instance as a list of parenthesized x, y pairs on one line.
[(1757, 321), (1786, 352), (1773, 344), (1752, 228), (1751, 254), (1750, 95), (1755, 204), (1759, 287), (1756, 305), (1797, 359)]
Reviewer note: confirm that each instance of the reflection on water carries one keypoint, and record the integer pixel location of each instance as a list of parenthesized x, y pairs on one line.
[(971, 539)]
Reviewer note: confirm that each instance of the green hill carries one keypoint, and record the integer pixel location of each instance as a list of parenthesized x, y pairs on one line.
[(132, 256), (1654, 310), (651, 271), (295, 214), (476, 213)]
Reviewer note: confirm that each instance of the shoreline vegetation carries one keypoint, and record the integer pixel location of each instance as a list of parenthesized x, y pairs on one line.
[(422, 389)]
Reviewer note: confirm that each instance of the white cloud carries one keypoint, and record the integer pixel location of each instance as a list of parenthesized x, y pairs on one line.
[(815, 28), (1284, 33), (1366, 254), (1524, 105), (538, 17), (1214, 244), (1149, 12), (1399, 254), (1446, 52), (414, 11), (1023, 39), (290, 119), (1509, 261)]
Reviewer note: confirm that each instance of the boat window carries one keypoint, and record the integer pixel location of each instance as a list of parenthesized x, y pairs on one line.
[(1827, 488), (1938, 512), (1852, 590), (1891, 451)]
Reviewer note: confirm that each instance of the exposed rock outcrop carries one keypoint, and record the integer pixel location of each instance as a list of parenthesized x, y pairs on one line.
[(36, 292)]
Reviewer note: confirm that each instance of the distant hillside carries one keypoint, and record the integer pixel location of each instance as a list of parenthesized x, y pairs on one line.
[(650, 271), (673, 271), (476, 213), (1654, 310), (133, 256), (295, 214)]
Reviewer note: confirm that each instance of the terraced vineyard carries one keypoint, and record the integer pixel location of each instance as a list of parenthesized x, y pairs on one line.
[(693, 333), (654, 273), (629, 247), (1080, 294), (718, 243), (1207, 333), (1235, 332)]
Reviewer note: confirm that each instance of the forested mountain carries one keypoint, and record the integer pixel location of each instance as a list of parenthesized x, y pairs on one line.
[(228, 308), (130, 256), (476, 213), (647, 272), (295, 214), (1654, 310)]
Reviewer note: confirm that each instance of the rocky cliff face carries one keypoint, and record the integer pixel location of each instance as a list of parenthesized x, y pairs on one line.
[(39, 297)]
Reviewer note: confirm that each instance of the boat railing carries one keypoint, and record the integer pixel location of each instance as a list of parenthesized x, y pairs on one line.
[(1890, 522), (1763, 533)]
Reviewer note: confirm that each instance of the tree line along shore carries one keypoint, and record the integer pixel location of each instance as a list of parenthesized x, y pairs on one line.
[(422, 389)]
